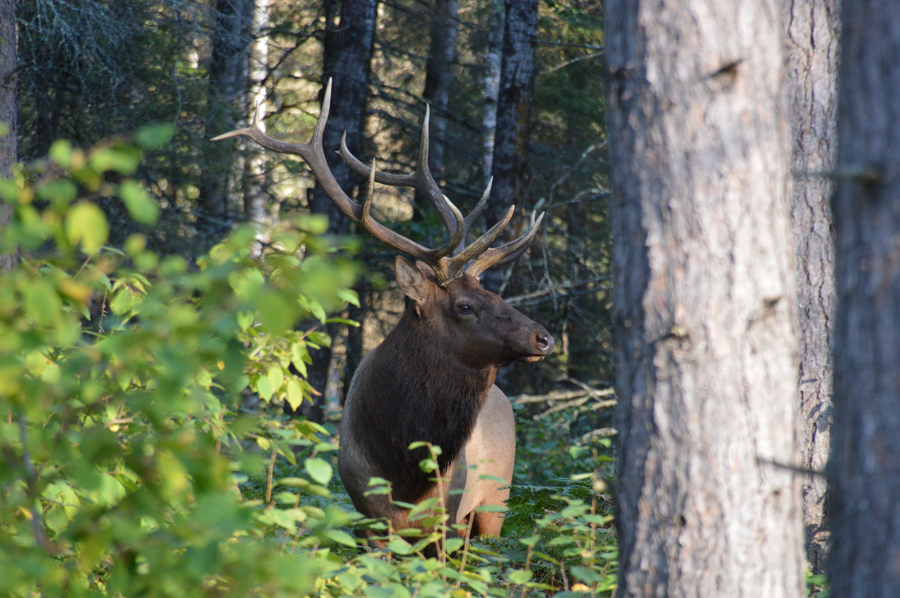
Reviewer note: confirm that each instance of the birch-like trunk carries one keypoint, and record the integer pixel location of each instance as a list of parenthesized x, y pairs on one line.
[(493, 59), (864, 472), (254, 179), (705, 334)]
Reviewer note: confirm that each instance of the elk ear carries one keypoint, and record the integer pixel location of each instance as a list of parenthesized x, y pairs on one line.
[(415, 284)]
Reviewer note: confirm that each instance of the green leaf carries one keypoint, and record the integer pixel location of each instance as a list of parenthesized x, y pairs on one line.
[(336, 535), (86, 224), (288, 498), (140, 206), (399, 546), (151, 137), (294, 394), (520, 577), (318, 469), (60, 192), (61, 153), (276, 377), (120, 158), (276, 313), (586, 575), (264, 388), (316, 309), (9, 190), (349, 295), (245, 319), (319, 338)]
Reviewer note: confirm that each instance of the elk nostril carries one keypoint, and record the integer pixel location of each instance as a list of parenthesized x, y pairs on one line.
[(544, 341)]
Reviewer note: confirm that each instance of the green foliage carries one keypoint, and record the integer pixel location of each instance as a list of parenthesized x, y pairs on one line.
[(121, 381), (817, 586), (131, 465)]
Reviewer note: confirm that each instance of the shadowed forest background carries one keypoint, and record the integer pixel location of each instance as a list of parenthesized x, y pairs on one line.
[(102, 69)]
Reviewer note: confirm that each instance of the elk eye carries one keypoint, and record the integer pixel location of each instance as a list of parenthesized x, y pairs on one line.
[(464, 308)]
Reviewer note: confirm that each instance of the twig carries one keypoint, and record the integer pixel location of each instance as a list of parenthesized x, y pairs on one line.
[(598, 433), (565, 395), (568, 62), (271, 472), (37, 526)]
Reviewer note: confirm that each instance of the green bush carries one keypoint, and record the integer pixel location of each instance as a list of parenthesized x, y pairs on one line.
[(130, 464)]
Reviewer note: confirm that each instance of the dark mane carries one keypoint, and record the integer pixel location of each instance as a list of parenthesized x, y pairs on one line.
[(418, 393)]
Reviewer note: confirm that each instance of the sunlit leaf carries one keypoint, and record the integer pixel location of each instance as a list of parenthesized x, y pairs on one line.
[(86, 225), (318, 469), (120, 158), (140, 206)]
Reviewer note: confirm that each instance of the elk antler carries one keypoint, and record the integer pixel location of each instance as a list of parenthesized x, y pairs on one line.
[(445, 268)]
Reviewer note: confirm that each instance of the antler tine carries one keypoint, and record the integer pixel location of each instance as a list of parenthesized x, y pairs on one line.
[(473, 216), (504, 253), (421, 180), (479, 207), (484, 241)]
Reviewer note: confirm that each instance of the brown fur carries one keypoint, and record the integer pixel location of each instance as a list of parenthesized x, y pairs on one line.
[(429, 381)]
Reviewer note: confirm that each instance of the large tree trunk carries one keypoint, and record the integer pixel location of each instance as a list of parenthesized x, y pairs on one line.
[(513, 119), (7, 112), (706, 343), (228, 82), (347, 60), (865, 469), (812, 34)]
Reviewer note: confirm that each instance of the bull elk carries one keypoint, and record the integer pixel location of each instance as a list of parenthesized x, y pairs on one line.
[(432, 379)]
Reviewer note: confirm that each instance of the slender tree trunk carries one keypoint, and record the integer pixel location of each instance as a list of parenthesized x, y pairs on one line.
[(228, 76), (7, 112), (254, 179), (439, 76), (864, 472), (513, 118), (493, 60), (706, 343), (812, 28), (347, 58)]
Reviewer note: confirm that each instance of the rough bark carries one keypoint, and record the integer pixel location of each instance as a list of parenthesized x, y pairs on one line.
[(513, 116), (228, 82), (7, 111), (439, 76), (812, 33), (864, 472), (705, 337), (347, 57)]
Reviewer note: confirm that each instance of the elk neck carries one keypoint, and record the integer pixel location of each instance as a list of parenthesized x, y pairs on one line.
[(418, 392)]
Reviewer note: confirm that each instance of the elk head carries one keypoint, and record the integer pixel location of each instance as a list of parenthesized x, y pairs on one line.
[(477, 328)]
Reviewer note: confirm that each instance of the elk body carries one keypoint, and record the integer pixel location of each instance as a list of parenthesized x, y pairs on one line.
[(432, 379)]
